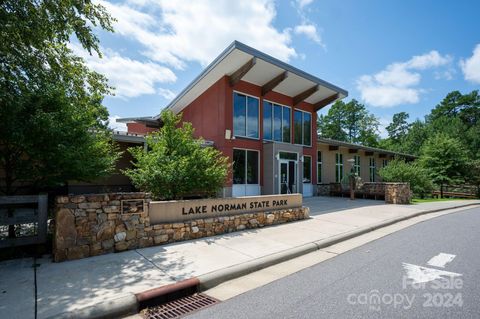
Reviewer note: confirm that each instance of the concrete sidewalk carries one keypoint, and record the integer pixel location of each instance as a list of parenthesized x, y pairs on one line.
[(71, 285)]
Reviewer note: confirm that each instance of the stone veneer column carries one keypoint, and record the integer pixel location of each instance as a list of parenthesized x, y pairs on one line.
[(397, 193)]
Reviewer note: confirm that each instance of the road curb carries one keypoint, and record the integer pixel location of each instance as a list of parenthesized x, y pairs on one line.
[(210, 280), (131, 304)]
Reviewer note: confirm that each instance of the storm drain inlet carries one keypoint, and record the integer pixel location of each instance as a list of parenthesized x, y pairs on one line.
[(180, 307)]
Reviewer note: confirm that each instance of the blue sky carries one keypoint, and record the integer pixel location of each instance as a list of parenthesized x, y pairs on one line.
[(393, 56)]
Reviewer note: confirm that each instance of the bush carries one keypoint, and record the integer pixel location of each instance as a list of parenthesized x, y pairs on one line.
[(413, 173), (176, 164)]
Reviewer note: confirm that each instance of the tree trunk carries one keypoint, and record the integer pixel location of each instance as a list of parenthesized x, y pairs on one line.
[(441, 190)]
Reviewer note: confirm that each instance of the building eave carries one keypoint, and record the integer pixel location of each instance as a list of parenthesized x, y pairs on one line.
[(235, 56), (333, 142)]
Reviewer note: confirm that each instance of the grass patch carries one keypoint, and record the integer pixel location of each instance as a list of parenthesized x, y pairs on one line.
[(432, 200)]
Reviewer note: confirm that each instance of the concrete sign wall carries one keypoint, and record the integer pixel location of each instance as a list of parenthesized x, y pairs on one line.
[(176, 211)]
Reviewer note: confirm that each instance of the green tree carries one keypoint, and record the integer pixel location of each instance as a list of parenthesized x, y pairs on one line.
[(399, 127), (349, 122), (176, 164), (53, 121), (445, 159), (411, 142), (400, 171), (331, 125), (458, 115), (473, 175)]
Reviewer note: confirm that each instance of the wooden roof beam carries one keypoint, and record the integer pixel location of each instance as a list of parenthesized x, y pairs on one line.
[(240, 73), (304, 95), (270, 85), (317, 106)]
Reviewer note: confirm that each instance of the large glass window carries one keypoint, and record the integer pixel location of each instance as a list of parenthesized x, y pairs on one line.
[(356, 165), (307, 169), (245, 115), (302, 128), (286, 124), (319, 167), (288, 156), (307, 129), (276, 122), (297, 127), (239, 166), (245, 167), (267, 121), (338, 167), (372, 171), (252, 167)]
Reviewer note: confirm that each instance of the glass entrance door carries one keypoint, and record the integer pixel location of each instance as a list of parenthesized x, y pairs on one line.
[(288, 177)]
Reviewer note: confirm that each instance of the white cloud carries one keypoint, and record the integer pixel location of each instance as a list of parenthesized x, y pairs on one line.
[(303, 3), (166, 93), (398, 82), (429, 60), (116, 126), (471, 66), (131, 78), (309, 30), (176, 32), (382, 128)]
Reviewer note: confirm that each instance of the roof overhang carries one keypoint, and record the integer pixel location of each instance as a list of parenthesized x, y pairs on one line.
[(241, 62), (126, 137), (149, 121), (352, 148)]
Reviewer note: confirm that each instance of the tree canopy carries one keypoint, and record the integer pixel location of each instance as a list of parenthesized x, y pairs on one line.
[(412, 173), (53, 121), (349, 122), (445, 158), (176, 164)]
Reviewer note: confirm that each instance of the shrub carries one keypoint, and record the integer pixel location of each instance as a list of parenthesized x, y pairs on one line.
[(400, 171), (176, 164)]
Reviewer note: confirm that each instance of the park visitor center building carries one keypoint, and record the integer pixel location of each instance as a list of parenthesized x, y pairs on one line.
[(262, 114)]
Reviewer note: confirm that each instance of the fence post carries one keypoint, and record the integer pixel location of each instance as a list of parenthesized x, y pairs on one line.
[(42, 217)]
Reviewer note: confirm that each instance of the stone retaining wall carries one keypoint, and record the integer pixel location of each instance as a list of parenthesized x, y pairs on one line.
[(397, 193), (323, 189), (90, 225)]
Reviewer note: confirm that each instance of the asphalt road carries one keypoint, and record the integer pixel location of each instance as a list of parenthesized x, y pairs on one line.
[(377, 280)]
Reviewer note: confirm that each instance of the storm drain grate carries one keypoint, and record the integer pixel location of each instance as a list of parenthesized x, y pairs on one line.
[(180, 307)]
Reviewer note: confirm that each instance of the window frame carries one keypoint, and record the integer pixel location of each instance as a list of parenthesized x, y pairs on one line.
[(339, 168), (245, 150), (303, 126), (246, 115), (319, 167), (372, 169), (357, 166), (272, 122), (303, 172)]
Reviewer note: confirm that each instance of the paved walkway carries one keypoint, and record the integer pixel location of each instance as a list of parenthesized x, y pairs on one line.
[(76, 284)]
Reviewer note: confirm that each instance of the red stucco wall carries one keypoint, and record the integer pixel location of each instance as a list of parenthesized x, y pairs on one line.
[(139, 128), (212, 113)]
